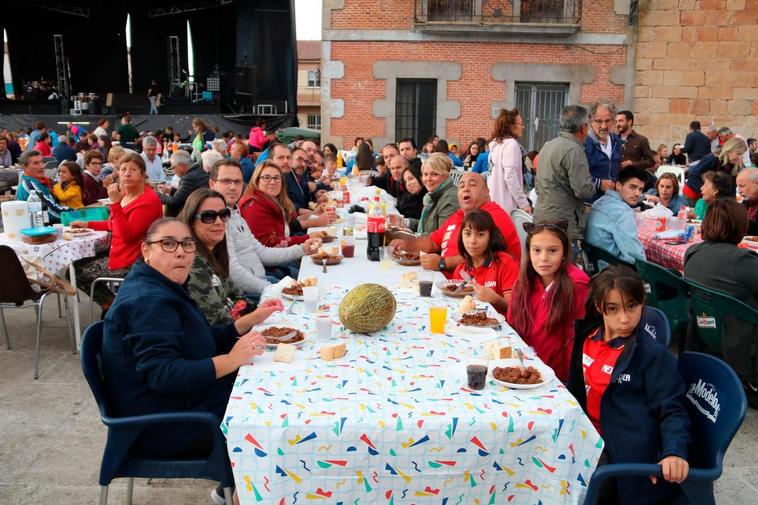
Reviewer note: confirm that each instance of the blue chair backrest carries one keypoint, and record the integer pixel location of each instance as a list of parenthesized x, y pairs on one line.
[(90, 356), (716, 403), (656, 324)]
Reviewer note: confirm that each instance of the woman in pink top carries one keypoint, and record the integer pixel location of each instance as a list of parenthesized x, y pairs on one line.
[(257, 137), (549, 295), (506, 180)]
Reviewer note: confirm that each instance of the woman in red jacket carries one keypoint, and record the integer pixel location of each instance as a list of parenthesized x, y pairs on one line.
[(267, 209), (134, 207)]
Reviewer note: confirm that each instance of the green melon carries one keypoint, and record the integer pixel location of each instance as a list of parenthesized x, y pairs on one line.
[(367, 308)]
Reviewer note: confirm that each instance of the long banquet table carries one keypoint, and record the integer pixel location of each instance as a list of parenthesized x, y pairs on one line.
[(393, 421)]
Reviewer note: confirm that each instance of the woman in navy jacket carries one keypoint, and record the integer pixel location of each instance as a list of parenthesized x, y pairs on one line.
[(159, 352), (630, 388)]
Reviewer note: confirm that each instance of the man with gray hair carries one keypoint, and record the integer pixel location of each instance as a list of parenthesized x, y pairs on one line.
[(603, 147), (191, 177), (563, 179), (153, 162), (747, 188)]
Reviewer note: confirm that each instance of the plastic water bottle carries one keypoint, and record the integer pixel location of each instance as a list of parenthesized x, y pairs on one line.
[(35, 209), (375, 229)]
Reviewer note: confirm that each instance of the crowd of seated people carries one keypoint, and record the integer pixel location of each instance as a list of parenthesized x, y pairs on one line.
[(245, 204)]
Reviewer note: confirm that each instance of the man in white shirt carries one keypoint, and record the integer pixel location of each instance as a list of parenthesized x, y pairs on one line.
[(153, 163), (102, 128)]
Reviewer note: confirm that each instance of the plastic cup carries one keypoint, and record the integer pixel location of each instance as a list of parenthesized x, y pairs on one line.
[(348, 246), (425, 283), (437, 319), (385, 257), (310, 297), (324, 327), (476, 371)]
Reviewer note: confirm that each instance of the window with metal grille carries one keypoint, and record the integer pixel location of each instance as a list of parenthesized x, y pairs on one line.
[(450, 10), (540, 105), (415, 109), (314, 78), (314, 121)]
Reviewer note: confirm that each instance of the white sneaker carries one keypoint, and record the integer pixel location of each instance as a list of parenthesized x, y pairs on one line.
[(217, 496)]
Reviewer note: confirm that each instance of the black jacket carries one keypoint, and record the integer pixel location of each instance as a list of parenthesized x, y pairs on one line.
[(643, 417), (195, 178), (696, 145)]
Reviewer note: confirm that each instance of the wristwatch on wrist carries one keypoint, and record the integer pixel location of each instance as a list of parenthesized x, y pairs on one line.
[(442, 266)]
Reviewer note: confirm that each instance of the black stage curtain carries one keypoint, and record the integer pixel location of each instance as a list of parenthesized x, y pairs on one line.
[(95, 46)]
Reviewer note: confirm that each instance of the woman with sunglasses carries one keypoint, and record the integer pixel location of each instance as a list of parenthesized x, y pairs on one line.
[(206, 214), (268, 210), (161, 355), (134, 207)]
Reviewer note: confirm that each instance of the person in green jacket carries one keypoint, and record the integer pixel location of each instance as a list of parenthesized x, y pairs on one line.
[(442, 197), (716, 185)]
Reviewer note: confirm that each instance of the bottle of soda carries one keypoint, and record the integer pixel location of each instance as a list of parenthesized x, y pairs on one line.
[(35, 209), (375, 229)]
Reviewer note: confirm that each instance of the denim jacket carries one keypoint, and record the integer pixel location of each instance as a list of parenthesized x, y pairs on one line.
[(612, 226)]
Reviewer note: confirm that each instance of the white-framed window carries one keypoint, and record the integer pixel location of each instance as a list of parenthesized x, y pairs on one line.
[(314, 78), (314, 121)]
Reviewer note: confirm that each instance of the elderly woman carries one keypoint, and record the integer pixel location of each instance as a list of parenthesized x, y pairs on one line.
[(506, 180), (441, 199), (729, 161), (134, 207), (115, 154), (206, 213), (268, 210), (209, 158), (719, 264), (160, 354), (716, 185)]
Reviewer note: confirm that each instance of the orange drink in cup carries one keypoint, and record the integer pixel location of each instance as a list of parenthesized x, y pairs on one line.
[(437, 319)]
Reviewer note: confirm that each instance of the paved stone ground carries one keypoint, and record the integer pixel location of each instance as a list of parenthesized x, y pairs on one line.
[(51, 437)]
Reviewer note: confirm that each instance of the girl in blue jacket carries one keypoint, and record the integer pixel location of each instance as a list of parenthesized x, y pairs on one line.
[(629, 386)]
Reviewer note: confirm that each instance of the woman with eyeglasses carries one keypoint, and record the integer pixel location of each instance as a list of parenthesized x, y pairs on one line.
[(134, 207), (160, 354), (206, 213), (268, 210)]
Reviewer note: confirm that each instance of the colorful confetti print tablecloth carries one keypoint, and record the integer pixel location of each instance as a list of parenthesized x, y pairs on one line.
[(393, 422)]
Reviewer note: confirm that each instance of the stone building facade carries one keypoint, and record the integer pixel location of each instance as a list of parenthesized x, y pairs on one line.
[(696, 60), (463, 60)]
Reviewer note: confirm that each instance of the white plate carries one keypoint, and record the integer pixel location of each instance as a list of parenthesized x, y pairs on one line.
[(104, 201), (545, 371), (297, 298), (262, 327), (83, 233), (490, 313)]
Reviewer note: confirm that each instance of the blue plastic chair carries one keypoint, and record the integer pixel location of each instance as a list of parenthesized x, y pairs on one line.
[(123, 432), (657, 325), (716, 404)]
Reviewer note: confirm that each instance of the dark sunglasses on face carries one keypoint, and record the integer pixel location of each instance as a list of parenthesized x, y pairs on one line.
[(209, 216)]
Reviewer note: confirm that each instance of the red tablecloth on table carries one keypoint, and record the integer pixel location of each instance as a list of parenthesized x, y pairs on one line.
[(658, 251)]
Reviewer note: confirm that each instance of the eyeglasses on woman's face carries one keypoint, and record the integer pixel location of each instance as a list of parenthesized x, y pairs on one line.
[(271, 178), (210, 216), (170, 245)]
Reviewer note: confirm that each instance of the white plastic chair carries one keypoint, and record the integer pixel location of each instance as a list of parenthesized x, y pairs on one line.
[(519, 217), (456, 175), (672, 169)]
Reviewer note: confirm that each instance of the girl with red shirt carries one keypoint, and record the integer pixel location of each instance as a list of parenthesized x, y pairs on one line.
[(549, 295), (485, 259)]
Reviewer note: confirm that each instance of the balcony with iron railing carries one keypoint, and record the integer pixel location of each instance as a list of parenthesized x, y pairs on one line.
[(555, 17)]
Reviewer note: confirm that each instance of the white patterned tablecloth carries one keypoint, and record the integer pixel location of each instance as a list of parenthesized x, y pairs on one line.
[(394, 422), (60, 254)]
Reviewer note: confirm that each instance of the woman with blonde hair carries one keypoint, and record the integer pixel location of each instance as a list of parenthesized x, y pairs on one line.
[(728, 161), (506, 180), (441, 199)]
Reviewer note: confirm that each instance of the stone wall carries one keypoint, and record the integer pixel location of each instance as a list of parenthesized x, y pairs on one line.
[(696, 60)]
